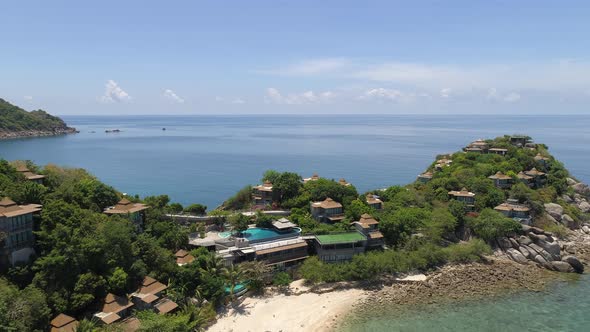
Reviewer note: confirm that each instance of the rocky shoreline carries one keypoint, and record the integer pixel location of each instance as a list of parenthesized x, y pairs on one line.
[(36, 133), (452, 283)]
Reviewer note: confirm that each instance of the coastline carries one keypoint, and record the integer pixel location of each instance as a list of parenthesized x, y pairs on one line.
[(36, 133), (330, 307)]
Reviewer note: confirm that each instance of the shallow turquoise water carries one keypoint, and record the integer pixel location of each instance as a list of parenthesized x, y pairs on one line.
[(565, 306)]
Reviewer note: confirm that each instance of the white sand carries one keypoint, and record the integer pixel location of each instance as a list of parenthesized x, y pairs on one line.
[(304, 312)]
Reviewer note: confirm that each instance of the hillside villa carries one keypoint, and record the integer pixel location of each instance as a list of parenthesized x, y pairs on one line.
[(149, 297), (512, 209), (464, 196), (368, 226), (114, 308), (425, 177), (263, 194), (314, 177), (339, 247), (441, 163), (63, 323), (374, 202), (501, 180), (541, 159), (135, 212), (183, 257), (344, 183), (327, 210), (539, 178), (22, 169), (498, 151), (479, 146), (16, 222)]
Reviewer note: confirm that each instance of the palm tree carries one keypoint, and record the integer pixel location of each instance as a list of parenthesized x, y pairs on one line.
[(255, 272), (86, 325), (233, 276)]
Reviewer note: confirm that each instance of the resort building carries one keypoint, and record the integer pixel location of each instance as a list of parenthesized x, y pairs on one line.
[(22, 169), (369, 227), (442, 163), (183, 257), (16, 226), (479, 146), (499, 151), (512, 209), (135, 212), (114, 308), (314, 177), (344, 183), (374, 202), (501, 180), (526, 179), (263, 194), (63, 323), (464, 196), (425, 177), (541, 159), (340, 247), (282, 254), (283, 224), (327, 210), (539, 178), (519, 140), (149, 296)]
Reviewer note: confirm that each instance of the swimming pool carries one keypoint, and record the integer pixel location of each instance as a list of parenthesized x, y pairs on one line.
[(257, 234)]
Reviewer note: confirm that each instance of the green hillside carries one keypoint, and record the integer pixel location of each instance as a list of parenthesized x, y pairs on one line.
[(14, 119)]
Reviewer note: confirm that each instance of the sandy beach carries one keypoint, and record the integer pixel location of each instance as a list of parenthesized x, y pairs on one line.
[(279, 312)]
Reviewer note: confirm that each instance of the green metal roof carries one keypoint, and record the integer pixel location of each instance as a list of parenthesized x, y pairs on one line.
[(340, 238)]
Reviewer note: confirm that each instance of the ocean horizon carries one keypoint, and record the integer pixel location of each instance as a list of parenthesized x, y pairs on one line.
[(206, 159)]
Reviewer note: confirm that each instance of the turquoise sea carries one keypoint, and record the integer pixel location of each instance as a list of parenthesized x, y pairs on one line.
[(205, 159)]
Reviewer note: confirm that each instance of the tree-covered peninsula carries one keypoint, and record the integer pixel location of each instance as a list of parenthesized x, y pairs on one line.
[(96, 252), (16, 122)]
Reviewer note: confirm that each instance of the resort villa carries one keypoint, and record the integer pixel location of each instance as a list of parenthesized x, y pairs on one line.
[(501, 180), (344, 183), (526, 179), (541, 159), (327, 210), (114, 308), (135, 212), (498, 151), (22, 169), (368, 226), (464, 196), (374, 202), (263, 194), (16, 226), (282, 254), (183, 257), (314, 177), (441, 163), (539, 178), (149, 297), (339, 247), (63, 323), (479, 146), (425, 177), (519, 140), (512, 209)]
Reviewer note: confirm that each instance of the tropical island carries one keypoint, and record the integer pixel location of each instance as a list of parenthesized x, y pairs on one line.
[(77, 255), (15, 122)]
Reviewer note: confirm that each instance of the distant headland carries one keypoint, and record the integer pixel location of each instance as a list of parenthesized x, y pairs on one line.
[(15, 122)]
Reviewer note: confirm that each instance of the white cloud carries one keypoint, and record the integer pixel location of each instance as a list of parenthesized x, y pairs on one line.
[(510, 97), (309, 67), (395, 95), (446, 93), (171, 95), (273, 96), (28, 98), (238, 101), (114, 93)]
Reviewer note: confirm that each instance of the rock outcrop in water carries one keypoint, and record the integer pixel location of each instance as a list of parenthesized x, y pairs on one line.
[(536, 246)]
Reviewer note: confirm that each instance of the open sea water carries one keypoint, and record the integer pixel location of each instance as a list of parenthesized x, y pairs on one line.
[(205, 159)]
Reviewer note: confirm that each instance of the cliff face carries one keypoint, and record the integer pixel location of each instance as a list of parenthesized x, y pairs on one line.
[(16, 122)]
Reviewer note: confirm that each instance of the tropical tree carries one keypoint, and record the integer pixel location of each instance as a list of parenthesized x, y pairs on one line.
[(233, 275)]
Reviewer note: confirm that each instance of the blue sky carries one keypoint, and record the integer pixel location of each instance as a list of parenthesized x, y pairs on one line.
[(301, 57)]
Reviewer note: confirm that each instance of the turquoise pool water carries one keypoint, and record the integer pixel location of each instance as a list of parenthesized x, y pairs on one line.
[(263, 234), (237, 289)]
